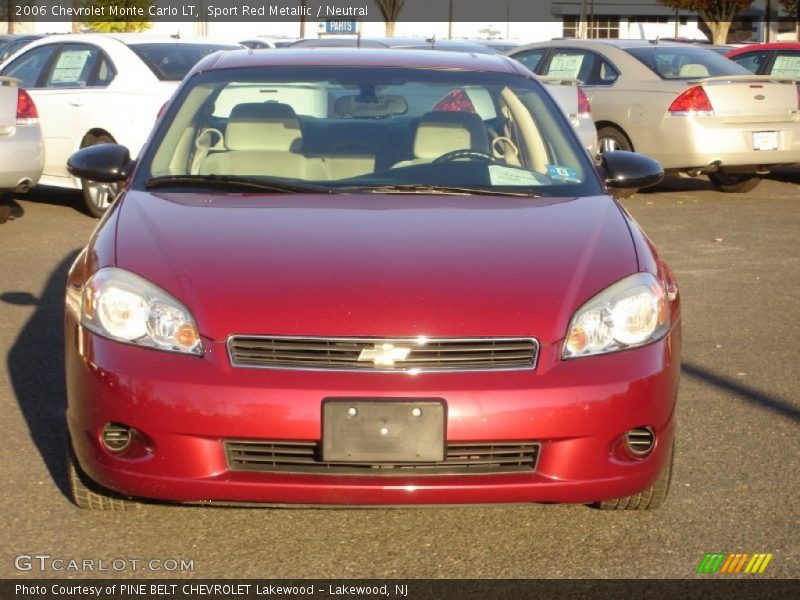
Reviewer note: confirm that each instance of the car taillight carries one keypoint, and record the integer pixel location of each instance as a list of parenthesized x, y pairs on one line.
[(693, 101), (584, 107), (455, 101), (26, 109)]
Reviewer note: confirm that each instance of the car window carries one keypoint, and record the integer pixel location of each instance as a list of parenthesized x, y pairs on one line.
[(786, 64), (531, 58), (681, 62), (752, 61), (73, 66), (172, 61), (583, 65), (351, 126), (11, 48), (105, 72), (28, 67)]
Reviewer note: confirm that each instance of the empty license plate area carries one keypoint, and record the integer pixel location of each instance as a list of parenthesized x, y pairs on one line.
[(383, 431), (765, 140)]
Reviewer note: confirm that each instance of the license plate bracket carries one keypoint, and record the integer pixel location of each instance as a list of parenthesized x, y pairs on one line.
[(765, 140), (383, 431)]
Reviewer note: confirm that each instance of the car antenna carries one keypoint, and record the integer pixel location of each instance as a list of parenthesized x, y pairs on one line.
[(358, 39), (432, 41)]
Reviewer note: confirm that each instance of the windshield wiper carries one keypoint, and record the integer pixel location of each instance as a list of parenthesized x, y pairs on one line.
[(234, 182), (406, 188)]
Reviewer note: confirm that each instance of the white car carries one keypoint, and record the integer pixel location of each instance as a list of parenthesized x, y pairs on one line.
[(21, 148), (99, 88)]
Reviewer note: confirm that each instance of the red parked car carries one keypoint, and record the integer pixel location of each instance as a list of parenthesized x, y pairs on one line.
[(777, 58), (361, 276)]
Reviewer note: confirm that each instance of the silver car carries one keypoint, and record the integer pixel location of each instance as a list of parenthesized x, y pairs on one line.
[(693, 110), (21, 149)]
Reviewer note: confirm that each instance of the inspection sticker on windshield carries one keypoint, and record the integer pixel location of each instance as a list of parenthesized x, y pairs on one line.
[(562, 173), (765, 140), (500, 175)]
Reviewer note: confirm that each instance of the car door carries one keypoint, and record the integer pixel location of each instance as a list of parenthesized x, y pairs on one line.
[(531, 58)]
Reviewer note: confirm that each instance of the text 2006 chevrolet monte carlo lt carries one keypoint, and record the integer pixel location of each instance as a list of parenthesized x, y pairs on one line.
[(359, 277)]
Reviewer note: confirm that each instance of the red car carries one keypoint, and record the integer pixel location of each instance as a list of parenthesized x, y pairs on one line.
[(777, 58), (359, 277)]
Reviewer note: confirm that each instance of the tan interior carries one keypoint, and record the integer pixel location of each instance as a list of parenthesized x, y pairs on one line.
[(441, 132)]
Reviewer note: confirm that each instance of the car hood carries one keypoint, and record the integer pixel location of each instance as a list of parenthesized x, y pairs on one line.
[(376, 265)]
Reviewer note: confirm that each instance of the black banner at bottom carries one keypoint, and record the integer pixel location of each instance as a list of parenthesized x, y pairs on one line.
[(412, 589)]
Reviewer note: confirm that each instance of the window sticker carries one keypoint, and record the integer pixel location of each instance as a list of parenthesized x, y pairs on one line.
[(502, 175), (565, 65), (562, 173), (69, 66), (786, 66)]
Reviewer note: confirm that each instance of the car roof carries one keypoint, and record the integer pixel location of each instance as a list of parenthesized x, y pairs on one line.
[(130, 39), (363, 57), (770, 46)]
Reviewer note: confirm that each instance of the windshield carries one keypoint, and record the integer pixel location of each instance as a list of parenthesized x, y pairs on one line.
[(172, 61), (350, 128), (681, 62)]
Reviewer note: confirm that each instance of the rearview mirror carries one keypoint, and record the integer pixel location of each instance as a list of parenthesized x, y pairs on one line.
[(629, 170), (106, 163), (370, 107)]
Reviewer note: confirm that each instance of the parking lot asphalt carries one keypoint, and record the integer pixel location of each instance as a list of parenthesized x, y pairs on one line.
[(735, 481)]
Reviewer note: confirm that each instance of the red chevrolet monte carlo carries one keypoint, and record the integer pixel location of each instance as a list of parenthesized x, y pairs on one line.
[(359, 277)]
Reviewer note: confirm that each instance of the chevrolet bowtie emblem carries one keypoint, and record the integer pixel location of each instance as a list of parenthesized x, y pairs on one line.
[(384, 355)]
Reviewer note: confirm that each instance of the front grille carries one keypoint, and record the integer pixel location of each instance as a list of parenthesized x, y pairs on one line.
[(383, 354), (304, 457)]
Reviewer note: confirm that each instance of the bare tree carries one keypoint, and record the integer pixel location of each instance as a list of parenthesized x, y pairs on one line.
[(717, 14), (390, 9)]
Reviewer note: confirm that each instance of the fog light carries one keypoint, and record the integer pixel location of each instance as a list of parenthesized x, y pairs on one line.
[(640, 440), (116, 437)]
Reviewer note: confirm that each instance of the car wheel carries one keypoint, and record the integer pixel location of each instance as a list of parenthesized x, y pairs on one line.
[(733, 183), (98, 196), (610, 139), (89, 495), (649, 499)]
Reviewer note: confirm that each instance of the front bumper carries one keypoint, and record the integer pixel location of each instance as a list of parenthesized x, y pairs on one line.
[(577, 410), (710, 142)]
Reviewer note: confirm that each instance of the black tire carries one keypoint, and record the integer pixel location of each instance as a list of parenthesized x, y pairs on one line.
[(609, 139), (732, 183), (98, 196), (89, 495), (649, 499)]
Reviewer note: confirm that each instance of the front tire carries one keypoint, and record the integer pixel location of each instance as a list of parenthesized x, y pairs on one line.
[(98, 196), (88, 495), (732, 183), (649, 499)]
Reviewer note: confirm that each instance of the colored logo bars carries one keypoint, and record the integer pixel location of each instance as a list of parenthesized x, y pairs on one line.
[(722, 562)]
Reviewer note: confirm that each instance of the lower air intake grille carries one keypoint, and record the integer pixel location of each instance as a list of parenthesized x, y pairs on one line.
[(383, 354), (303, 457)]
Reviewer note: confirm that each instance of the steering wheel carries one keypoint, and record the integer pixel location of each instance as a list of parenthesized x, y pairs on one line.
[(465, 153)]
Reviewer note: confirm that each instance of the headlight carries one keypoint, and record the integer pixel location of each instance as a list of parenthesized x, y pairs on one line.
[(632, 312), (122, 306)]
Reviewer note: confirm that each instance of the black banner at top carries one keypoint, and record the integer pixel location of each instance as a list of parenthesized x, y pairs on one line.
[(350, 10)]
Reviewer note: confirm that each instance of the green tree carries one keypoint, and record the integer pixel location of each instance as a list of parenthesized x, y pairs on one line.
[(390, 9), (125, 22), (717, 14)]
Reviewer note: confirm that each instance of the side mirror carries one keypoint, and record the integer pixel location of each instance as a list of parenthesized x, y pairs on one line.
[(106, 163), (628, 170)]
